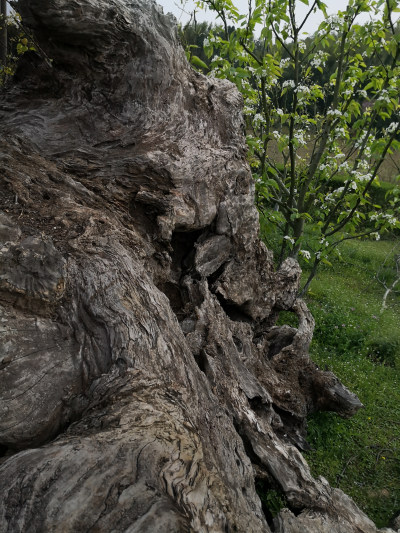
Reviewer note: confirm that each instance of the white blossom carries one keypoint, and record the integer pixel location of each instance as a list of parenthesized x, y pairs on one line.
[(334, 112), (344, 166), (333, 19), (384, 96), (390, 218), (341, 132), (361, 140), (392, 127), (359, 176), (319, 59), (299, 136), (306, 254), (289, 83), (302, 89), (258, 119), (289, 239)]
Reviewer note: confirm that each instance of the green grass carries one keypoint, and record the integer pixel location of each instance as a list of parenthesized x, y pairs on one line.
[(362, 347)]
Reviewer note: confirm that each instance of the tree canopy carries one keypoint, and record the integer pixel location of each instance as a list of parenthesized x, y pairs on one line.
[(322, 113)]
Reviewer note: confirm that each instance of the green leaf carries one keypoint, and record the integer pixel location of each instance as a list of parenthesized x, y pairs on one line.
[(197, 62), (272, 183), (272, 171)]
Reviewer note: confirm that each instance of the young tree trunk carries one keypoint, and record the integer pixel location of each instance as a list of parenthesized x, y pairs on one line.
[(144, 384)]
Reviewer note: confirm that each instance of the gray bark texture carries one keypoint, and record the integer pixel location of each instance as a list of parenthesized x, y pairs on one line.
[(144, 383)]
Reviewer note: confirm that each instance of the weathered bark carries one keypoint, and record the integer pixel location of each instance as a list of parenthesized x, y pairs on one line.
[(144, 383)]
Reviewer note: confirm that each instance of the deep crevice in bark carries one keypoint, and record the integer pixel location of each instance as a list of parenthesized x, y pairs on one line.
[(182, 253), (293, 428), (235, 312), (202, 361), (270, 505), (248, 446), (3, 450), (278, 338)]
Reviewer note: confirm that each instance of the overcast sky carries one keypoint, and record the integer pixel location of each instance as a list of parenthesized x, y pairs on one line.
[(175, 7)]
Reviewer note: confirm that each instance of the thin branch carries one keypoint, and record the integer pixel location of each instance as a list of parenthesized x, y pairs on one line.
[(367, 187), (317, 259), (389, 288), (245, 47), (339, 476), (390, 17), (306, 17)]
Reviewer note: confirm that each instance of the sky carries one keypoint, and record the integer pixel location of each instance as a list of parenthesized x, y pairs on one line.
[(182, 9), (175, 7)]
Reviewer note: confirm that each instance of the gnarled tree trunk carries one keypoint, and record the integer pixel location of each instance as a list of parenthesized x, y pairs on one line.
[(144, 383)]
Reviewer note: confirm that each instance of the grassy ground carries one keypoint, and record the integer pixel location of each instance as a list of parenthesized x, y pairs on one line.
[(362, 347)]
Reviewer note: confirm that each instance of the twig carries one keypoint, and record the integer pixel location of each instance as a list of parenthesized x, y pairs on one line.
[(389, 288), (339, 476)]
